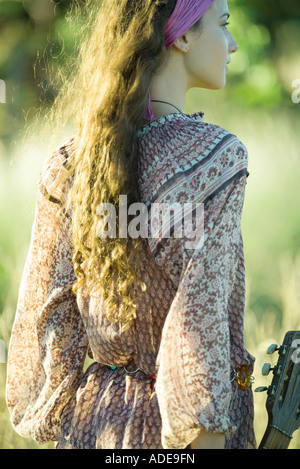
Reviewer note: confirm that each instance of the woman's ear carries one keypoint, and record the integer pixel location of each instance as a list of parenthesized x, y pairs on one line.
[(182, 43)]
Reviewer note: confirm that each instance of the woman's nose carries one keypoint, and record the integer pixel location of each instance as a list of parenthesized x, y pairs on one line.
[(233, 45)]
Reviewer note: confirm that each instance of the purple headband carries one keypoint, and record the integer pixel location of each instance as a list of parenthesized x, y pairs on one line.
[(186, 13)]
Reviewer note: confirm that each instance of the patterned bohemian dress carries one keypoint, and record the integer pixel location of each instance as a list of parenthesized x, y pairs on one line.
[(158, 384)]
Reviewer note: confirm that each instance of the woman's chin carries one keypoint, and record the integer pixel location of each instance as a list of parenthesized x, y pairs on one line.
[(218, 85)]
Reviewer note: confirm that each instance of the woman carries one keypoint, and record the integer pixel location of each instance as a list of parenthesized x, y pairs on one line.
[(163, 323)]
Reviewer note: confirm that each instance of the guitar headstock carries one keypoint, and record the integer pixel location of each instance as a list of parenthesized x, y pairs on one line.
[(283, 400)]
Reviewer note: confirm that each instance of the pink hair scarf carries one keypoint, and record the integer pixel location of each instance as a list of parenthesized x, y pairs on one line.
[(186, 13)]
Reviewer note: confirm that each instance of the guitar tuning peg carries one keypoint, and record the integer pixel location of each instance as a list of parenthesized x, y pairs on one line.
[(261, 389), (272, 349), (266, 369)]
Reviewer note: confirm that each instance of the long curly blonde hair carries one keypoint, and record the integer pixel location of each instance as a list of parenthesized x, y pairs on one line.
[(106, 96)]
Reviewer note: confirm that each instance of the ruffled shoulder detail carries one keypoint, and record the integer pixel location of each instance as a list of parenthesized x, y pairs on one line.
[(170, 118)]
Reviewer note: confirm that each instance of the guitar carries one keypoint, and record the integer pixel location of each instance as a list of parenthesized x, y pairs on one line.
[(283, 400)]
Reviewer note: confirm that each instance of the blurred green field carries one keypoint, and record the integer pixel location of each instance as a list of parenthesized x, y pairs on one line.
[(271, 230)]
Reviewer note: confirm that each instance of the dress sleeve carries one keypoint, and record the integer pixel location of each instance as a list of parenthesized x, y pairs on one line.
[(193, 380), (48, 342)]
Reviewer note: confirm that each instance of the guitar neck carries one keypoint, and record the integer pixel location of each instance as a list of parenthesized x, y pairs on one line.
[(275, 439)]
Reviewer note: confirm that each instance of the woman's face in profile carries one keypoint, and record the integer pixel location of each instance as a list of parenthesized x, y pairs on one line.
[(210, 49)]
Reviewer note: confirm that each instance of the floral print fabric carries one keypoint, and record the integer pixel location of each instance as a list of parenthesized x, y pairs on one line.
[(189, 326)]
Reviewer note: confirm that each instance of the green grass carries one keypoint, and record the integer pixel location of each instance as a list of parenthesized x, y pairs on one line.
[(271, 231)]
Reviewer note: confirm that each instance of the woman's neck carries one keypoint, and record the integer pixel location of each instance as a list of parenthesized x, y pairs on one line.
[(168, 85)]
